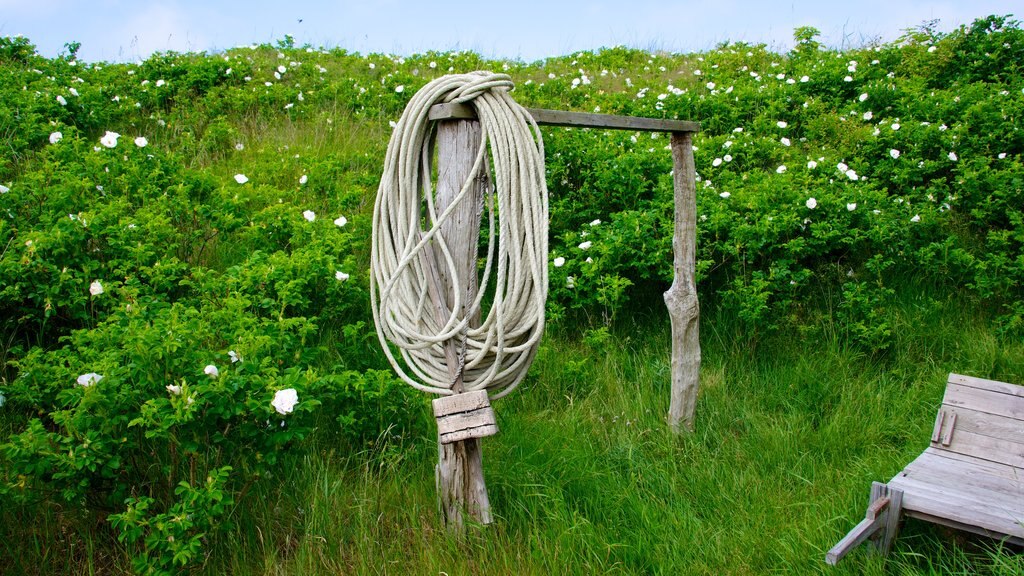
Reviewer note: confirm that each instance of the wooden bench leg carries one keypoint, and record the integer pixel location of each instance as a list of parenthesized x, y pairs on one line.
[(879, 524), (882, 541)]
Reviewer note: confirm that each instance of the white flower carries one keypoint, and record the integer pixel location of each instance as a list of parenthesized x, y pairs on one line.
[(285, 400), (952, 156), (894, 153), (89, 379), (811, 164), (851, 206), (716, 162), (851, 174), (848, 79), (5, 189), (595, 222), (916, 218), (868, 115), (432, 64), (211, 371), (309, 215), (160, 83), (174, 389), (234, 356), (559, 262), (340, 276), (303, 179), (110, 139), (932, 49), (727, 158), (711, 85), (241, 178), (780, 169), (56, 137), (842, 167), (725, 194), (811, 203), (340, 221), (586, 245), (400, 88), (1001, 156), (863, 97), (239, 146), (943, 128), (61, 100), (570, 282), (73, 91), (895, 126), (781, 124), (282, 69), (785, 141), (804, 78), (141, 141), (95, 288)]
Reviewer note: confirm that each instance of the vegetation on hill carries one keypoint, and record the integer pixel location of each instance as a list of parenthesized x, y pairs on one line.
[(190, 379)]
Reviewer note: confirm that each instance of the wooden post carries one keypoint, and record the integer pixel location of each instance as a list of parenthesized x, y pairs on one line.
[(681, 297), (460, 473)]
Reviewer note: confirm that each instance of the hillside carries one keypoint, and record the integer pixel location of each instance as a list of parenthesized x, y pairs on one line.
[(188, 236)]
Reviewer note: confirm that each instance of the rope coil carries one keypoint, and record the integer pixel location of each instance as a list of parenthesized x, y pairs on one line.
[(408, 248)]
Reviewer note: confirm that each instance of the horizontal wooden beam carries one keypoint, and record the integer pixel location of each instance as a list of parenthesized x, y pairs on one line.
[(574, 119)]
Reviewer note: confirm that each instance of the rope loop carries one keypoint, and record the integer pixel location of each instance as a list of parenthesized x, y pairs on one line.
[(406, 244)]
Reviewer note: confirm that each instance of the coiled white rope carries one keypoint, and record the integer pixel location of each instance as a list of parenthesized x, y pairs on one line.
[(496, 355)]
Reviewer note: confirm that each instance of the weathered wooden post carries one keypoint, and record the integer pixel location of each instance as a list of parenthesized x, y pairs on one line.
[(681, 297), (460, 473)]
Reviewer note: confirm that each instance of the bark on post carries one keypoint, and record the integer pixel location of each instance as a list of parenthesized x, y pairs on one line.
[(460, 474), (681, 297)]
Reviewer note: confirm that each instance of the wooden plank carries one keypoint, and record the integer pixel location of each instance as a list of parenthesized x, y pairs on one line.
[(947, 435), (462, 420), (969, 479), (940, 419), (998, 450), (546, 117), (942, 502), (681, 297), (984, 424), (990, 385), (468, 434), (984, 400), (987, 466), (871, 524), (465, 402)]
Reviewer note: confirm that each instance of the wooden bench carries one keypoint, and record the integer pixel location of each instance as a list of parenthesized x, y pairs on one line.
[(971, 477)]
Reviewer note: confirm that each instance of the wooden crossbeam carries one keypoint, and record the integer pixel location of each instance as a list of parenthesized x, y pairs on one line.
[(574, 119)]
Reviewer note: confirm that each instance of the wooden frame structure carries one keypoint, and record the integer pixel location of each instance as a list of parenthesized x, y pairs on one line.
[(459, 475), (971, 477)]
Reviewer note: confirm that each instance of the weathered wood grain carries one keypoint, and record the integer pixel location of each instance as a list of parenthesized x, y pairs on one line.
[(681, 297), (460, 475)]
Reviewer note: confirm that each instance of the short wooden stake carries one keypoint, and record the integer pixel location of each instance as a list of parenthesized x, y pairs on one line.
[(460, 472), (681, 297)]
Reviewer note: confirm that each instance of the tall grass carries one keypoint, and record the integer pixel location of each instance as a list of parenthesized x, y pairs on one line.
[(585, 477)]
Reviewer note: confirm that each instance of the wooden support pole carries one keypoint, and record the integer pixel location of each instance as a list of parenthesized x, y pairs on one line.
[(460, 473), (681, 297), (879, 524)]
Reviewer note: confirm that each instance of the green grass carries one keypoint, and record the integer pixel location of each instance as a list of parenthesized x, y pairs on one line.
[(585, 477)]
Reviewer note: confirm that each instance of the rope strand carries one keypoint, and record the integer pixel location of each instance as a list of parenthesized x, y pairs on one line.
[(497, 354)]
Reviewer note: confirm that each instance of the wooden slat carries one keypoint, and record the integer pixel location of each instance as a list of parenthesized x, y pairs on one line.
[(969, 479), (463, 420), (456, 403), (988, 448), (991, 385), (468, 434), (942, 502), (984, 400), (989, 467), (546, 117)]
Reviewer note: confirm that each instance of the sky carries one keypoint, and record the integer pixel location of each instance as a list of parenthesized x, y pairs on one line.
[(529, 30)]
